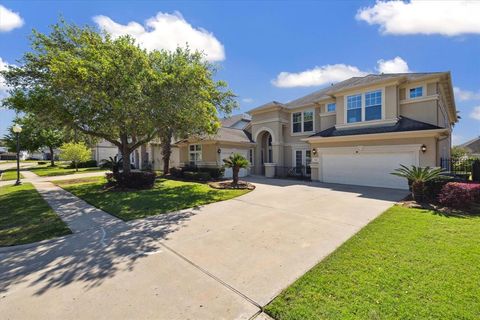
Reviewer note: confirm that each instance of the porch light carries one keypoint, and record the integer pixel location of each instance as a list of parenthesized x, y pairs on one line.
[(219, 150), (423, 148), (314, 151)]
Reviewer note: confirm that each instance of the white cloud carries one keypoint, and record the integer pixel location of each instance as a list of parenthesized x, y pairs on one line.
[(475, 114), (247, 100), (9, 20), (166, 31), (448, 18), (3, 86), (396, 65), (317, 76), (328, 74), (465, 95)]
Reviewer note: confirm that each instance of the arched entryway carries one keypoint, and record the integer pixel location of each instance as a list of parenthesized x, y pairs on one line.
[(264, 149)]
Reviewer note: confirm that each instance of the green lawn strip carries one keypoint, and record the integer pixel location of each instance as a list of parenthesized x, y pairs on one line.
[(10, 174), (25, 217), (165, 196), (407, 264), (60, 171)]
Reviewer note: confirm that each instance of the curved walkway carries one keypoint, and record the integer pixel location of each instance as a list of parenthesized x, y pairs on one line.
[(221, 261)]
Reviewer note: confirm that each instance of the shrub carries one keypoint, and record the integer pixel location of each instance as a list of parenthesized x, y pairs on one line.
[(215, 173), (434, 187), (42, 162), (176, 172), (132, 180), (459, 195), (196, 176), (84, 164)]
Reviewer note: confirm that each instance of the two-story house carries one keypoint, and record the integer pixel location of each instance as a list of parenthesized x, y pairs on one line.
[(356, 132)]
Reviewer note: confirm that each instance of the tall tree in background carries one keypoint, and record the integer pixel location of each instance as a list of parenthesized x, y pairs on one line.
[(97, 85), (36, 133), (192, 98)]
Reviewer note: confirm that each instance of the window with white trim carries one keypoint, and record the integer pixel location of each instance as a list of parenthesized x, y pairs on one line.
[(415, 92), (354, 108), (307, 121), (297, 122), (302, 121), (195, 153), (373, 105), (331, 107)]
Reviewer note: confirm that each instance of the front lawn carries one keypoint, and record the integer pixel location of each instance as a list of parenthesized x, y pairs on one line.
[(60, 170), (165, 196), (10, 174), (407, 264), (25, 217)]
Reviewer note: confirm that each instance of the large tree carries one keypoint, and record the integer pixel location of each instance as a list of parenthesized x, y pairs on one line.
[(193, 99), (36, 133), (98, 85)]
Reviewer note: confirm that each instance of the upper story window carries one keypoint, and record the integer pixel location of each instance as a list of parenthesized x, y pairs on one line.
[(364, 107), (415, 92), (331, 107), (302, 121), (354, 108), (373, 105), (195, 153), (297, 122)]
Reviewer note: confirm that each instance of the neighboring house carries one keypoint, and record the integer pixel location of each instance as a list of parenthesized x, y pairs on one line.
[(209, 151), (356, 132), (473, 146), (146, 156)]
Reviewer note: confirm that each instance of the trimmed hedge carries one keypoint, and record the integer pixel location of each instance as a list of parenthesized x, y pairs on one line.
[(459, 195), (132, 180), (197, 174), (86, 164)]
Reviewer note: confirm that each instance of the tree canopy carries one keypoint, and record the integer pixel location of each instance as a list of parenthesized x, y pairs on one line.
[(112, 89)]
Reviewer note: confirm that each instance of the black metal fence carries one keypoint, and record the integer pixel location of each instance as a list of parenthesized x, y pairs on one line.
[(300, 173), (459, 167)]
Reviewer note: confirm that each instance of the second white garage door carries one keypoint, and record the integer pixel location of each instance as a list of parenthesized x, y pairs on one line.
[(366, 168), (225, 154)]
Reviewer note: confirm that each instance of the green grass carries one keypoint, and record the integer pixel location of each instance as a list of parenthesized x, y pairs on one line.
[(10, 174), (25, 217), (47, 171), (407, 264), (165, 196)]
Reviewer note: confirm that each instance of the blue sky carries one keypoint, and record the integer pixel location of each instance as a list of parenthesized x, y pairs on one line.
[(312, 43)]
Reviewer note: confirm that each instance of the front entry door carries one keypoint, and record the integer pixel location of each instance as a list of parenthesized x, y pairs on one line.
[(302, 160)]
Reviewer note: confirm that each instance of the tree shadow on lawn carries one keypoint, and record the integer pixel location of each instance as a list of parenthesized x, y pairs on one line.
[(89, 257), (129, 205)]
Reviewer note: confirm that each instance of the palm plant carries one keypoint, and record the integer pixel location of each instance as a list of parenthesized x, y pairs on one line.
[(418, 177), (113, 164), (236, 162)]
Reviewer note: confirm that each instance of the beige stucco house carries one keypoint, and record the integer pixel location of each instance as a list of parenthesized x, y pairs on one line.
[(353, 132)]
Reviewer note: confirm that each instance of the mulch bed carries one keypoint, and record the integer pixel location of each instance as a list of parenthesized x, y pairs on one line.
[(228, 185)]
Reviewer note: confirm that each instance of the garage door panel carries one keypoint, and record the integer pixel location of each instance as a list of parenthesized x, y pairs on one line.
[(369, 169), (228, 171)]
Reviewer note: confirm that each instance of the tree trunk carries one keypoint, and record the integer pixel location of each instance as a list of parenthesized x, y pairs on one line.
[(76, 166), (125, 159), (235, 175), (125, 152), (52, 157), (418, 189), (166, 140)]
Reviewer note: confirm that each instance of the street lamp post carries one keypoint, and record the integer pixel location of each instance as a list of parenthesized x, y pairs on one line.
[(17, 129)]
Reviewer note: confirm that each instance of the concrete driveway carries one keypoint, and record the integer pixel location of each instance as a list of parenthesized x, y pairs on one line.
[(220, 261)]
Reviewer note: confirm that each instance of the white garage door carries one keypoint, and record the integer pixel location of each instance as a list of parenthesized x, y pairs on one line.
[(225, 154), (367, 169)]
